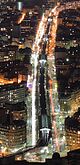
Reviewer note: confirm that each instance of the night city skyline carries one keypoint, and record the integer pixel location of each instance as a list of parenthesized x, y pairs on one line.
[(40, 81)]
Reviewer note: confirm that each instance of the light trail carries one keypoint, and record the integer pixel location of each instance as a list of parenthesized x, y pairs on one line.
[(39, 34), (35, 55), (53, 13), (51, 46), (51, 65), (23, 14), (55, 134), (33, 104)]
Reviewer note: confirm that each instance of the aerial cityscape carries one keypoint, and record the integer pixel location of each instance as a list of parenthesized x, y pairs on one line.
[(40, 80)]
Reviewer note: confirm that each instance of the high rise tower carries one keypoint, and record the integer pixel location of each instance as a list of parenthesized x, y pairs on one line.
[(19, 5)]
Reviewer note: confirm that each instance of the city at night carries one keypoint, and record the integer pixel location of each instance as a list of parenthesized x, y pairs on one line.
[(40, 82)]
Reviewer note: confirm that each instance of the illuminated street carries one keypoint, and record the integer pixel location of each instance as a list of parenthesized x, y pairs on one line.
[(39, 78), (58, 131)]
